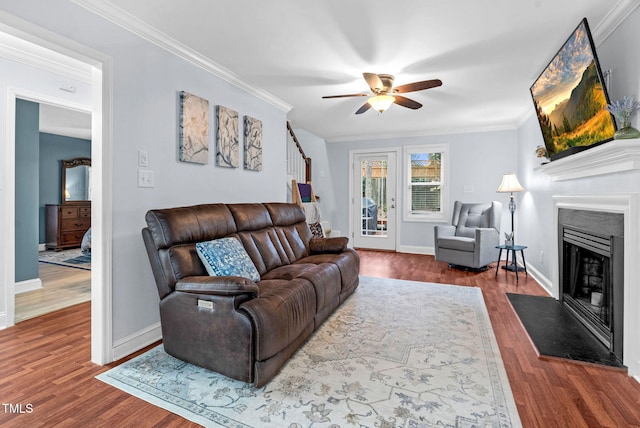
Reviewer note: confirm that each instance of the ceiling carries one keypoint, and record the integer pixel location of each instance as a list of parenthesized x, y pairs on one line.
[(486, 52), (63, 121)]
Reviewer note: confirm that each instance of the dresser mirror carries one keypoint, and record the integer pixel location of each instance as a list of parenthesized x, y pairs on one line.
[(76, 180)]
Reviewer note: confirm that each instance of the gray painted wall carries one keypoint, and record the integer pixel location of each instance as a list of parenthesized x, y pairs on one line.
[(27, 183), (476, 159), (53, 149)]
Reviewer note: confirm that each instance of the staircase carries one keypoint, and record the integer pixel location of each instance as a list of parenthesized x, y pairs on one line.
[(298, 164)]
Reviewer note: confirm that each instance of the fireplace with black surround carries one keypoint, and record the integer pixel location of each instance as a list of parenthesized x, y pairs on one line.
[(591, 247)]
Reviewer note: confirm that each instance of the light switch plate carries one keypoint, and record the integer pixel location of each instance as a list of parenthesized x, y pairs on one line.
[(145, 178), (143, 158)]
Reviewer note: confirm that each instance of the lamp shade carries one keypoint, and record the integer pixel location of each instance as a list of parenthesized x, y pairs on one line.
[(381, 102), (509, 184)]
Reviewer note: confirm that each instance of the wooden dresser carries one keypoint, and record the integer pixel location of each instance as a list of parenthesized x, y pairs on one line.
[(66, 224)]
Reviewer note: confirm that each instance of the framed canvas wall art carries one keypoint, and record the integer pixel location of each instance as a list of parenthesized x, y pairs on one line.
[(227, 138), (252, 144), (193, 145)]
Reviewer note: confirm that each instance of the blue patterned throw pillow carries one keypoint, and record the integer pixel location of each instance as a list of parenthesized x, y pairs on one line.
[(227, 257)]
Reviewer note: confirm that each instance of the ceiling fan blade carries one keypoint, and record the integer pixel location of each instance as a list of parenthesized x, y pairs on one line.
[(366, 106), (374, 82), (417, 86), (406, 102), (347, 95)]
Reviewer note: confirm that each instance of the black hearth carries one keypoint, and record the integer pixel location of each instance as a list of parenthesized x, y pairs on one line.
[(591, 272)]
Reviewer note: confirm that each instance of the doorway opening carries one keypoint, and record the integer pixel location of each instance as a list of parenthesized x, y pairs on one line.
[(373, 196), (59, 161), (40, 46)]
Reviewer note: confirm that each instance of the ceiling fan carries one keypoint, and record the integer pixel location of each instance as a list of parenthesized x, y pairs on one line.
[(384, 94)]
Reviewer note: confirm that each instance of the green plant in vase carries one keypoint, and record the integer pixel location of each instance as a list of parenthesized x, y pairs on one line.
[(623, 110)]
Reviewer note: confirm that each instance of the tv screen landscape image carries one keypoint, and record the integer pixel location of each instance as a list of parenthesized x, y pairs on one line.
[(570, 98)]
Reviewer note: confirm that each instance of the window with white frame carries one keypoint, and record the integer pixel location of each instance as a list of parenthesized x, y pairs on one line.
[(427, 189)]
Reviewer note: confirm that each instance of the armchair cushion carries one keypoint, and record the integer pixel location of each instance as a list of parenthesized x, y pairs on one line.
[(460, 243), (227, 257), (471, 217)]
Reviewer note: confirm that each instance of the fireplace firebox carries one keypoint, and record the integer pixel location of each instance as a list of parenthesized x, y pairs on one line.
[(591, 272)]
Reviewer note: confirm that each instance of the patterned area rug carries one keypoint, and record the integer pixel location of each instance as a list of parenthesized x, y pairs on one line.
[(396, 354), (70, 258)]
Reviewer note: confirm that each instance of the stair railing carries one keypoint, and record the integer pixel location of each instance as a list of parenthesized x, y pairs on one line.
[(298, 164)]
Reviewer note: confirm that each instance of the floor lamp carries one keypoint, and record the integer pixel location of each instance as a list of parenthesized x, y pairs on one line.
[(510, 184)]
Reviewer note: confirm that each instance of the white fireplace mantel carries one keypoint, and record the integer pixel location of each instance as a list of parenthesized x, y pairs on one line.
[(629, 205), (607, 158)]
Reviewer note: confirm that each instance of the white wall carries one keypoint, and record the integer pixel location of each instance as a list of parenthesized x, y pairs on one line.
[(146, 83), (476, 159), (535, 211)]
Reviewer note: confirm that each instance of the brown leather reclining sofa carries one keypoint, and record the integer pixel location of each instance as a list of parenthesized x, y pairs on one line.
[(229, 324)]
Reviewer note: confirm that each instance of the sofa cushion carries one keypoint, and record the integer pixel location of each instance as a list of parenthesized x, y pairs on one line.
[(264, 248), (226, 257), (459, 243), (347, 262), (325, 278), (287, 271), (283, 311), (176, 226)]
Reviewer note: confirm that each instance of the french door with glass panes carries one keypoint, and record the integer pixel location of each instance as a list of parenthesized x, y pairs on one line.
[(374, 200)]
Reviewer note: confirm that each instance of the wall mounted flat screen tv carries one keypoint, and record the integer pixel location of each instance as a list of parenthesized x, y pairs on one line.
[(570, 98)]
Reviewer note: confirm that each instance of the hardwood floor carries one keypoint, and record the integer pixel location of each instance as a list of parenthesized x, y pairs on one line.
[(44, 363), (61, 287)]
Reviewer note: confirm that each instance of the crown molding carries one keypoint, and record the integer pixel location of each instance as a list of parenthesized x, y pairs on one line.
[(25, 52), (613, 19), (119, 17), (426, 133)]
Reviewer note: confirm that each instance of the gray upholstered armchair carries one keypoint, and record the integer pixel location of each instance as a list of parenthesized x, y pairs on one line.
[(470, 241)]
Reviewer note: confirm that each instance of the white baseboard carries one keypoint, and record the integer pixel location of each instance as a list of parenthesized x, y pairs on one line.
[(136, 341), (42, 247), (414, 249), (3, 320), (540, 279), (28, 285)]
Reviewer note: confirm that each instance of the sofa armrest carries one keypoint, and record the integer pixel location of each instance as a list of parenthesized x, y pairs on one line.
[(217, 285), (336, 244)]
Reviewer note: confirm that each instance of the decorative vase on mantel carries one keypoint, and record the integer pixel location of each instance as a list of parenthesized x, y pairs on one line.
[(623, 110), (626, 132)]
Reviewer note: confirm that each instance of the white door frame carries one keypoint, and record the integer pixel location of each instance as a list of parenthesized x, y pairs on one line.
[(101, 205), (357, 152)]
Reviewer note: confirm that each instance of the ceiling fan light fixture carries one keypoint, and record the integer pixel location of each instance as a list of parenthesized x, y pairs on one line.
[(381, 102)]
